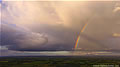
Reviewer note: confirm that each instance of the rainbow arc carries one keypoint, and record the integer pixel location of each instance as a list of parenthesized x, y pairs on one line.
[(78, 38)]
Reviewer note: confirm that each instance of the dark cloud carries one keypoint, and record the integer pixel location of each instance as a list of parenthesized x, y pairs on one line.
[(15, 38), (52, 26)]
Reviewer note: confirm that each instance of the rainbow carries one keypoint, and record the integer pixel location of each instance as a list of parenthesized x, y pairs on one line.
[(78, 38)]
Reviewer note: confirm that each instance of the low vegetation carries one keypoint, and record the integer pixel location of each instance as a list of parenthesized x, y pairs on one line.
[(58, 61)]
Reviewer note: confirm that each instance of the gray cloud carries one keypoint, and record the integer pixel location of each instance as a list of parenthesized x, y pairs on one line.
[(15, 38), (39, 26)]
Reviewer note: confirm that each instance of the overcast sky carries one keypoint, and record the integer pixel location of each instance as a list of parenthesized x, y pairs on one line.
[(55, 25)]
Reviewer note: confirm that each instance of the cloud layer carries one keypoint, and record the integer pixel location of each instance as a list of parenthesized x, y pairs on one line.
[(51, 26)]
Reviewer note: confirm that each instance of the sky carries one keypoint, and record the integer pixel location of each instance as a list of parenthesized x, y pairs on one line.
[(52, 27)]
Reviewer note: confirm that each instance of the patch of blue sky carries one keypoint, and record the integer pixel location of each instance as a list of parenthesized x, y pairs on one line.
[(13, 25), (19, 29), (5, 7), (0, 1)]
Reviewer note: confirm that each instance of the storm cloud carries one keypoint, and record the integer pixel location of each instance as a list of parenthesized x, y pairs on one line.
[(51, 26)]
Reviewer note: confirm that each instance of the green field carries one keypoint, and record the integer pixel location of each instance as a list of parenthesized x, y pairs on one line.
[(59, 61)]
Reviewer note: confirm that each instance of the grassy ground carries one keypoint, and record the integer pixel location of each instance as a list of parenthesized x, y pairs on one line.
[(59, 61)]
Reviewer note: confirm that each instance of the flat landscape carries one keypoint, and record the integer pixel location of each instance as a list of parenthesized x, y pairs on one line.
[(60, 61)]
